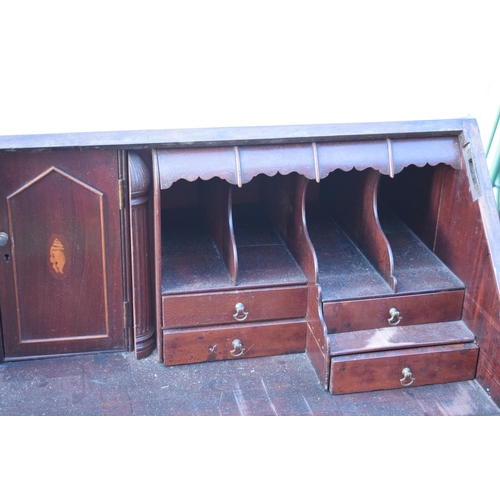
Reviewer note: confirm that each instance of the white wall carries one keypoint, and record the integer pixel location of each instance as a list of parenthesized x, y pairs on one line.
[(89, 66)]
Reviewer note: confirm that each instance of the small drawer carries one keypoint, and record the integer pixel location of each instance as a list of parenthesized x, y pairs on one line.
[(234, 342), (399, 310), (245, 306), (403, 368)]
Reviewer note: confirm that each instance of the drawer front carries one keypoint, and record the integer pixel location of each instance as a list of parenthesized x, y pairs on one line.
[(366, 314), (215, 344), (403, 368), (222, 307)]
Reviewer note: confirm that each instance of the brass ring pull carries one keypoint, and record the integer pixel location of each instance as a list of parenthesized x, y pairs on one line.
[(407, 375), (4, 239), (395, 317), (237, 346), (241, 314)]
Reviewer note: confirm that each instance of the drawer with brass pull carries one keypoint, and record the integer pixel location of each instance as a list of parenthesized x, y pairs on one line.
[(403, 368), (198, 345), (402, 310), (236, 306)]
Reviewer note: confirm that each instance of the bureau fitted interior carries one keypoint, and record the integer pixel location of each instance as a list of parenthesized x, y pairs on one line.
[(370, 247), (246, 270)]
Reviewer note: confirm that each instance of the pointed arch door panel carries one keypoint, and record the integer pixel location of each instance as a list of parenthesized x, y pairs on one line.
[(61, 271)]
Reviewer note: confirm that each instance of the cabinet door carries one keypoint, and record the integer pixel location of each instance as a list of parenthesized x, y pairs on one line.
[(61, 280)]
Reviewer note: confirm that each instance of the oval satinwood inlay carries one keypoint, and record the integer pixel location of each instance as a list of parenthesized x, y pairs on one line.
[(58, 256)]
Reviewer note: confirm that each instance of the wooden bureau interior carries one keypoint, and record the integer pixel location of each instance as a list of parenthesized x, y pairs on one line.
[(372, 248)]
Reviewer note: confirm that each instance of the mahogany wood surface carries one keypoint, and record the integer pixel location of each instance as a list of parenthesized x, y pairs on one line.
[(231, 213), (118, 384), (216, 343), (217, 203), (62, 288), (220, 307), (383, 370), (346, 316), (464, 222), (317, 344), (414, 195), (352, 199), (397, 337), (416, 267), (190, 259), (144, 325)]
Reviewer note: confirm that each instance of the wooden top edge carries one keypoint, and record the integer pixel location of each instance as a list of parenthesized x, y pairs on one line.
[(136, 139)]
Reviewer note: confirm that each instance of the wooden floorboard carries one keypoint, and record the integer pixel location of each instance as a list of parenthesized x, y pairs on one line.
[(118, 384)]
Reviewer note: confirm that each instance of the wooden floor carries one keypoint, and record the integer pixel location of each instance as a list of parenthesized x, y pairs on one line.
[(118, 384)]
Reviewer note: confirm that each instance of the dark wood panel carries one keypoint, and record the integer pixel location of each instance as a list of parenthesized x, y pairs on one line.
[(263, 256), (384, 370), (317, 346), (414, 195), (140, 243), (215, 344), (343, 271), (283, 199), (352, 198), (193, 163), (217, 206), (190, 258), (62, 286), (417, 268), (220, 308), (347, 316), (462, 244), (271, 160)]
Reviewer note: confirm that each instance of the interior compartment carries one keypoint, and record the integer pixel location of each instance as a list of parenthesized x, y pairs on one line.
[(218, 236), (409, 215), (261, 210), (346, 238), (373, 235)]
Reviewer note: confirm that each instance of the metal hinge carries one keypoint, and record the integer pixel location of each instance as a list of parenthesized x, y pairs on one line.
[(475, 187), (122, 192), (127, 315)]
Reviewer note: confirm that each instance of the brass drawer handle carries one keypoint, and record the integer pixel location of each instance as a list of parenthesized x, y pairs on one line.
[(238, 348), (241, 314), (407, 375), (4, 239), (395, 317)]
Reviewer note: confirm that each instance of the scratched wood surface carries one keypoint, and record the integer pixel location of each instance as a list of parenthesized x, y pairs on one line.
[(118, 384)]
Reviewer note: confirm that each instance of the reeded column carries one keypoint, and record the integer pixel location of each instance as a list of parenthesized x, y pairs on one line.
[(142, 299)]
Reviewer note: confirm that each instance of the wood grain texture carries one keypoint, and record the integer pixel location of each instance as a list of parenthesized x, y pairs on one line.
[(68, 202), (383, 370), (347, 316), (220, 307), (467, 242), (216, 201), (350, 199), (215, 344), (144, 327), (317, 343), (398, 337), (118, 384)]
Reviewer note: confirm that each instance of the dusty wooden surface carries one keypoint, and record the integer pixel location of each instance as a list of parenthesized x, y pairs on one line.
[(117, 384)]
